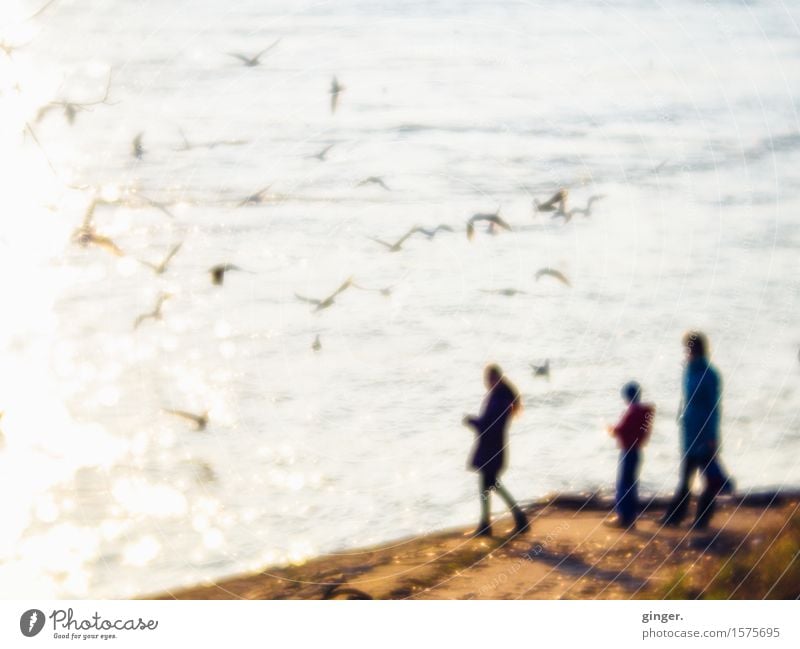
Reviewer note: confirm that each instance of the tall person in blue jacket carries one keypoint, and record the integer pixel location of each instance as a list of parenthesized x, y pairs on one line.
[(699, 419), (501, 403)]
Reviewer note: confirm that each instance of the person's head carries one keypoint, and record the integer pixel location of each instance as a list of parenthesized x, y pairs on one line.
[(695, 345), (631, 392), (492, 376)]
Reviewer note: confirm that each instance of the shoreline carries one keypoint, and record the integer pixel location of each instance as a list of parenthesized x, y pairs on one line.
[(567, 554)]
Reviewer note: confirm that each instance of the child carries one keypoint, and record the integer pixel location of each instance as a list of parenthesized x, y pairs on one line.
[(632, 433)]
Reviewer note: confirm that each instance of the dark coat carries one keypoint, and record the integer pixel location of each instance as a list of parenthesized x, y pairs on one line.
[(489, 451), (702, 392)]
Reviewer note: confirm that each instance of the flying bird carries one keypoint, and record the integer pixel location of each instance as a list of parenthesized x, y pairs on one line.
[(374, 180), (255, 199), (397, 245), (86, 235), (432, 233), (585, 211), (71, 108), (336, 88), (328, 301), (155, 314), (252, 61), (9, 48), (491, 218), (386, 292), (316, 345), (213, 144), (508, 292), (161, 207), (161, 267), (556, 203), (552, 272), (541, 370), (322, 155), (137, 150), (218, 272), (200, 421)]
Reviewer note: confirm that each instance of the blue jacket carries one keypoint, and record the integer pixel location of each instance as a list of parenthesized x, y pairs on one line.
[(702, 394)]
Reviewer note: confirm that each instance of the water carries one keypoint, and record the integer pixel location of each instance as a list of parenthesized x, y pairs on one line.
[(683, 116)]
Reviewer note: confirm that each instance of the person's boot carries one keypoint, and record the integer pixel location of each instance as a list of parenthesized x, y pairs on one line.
[(521, 523), (483, 529), (728, 487), (705, 510), (676, 512)]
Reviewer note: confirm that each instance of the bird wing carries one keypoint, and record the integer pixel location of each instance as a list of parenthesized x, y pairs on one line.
[(324, 151), (483, 216), (407, 235), (308, 299), (553, 273), (141, 319), (379, 181), (159, 206), (255, 197), (383, 243), (241, 57), (162, 208), (345, 285), (265, 50), (559, 197), (89, 215), (197, 419), (42, 112), (102, 100), (171, 254), (160, 302), (499, 221), (106, 244)]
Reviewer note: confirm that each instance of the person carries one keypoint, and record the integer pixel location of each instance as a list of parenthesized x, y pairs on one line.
[(502, 402), (632, 432), (699, 420)]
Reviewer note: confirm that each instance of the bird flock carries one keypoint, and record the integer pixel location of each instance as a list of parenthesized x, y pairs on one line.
[(87, 234)]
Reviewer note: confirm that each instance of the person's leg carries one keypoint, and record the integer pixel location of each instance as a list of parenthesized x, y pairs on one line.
[(676, 510), (713, 484), (485, 484), (717, 470), (520, 520), (629, 500), (626, 497), (636, 465)]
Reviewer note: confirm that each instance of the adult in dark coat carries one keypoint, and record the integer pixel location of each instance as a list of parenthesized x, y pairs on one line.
[(488, 458), (702, 395)]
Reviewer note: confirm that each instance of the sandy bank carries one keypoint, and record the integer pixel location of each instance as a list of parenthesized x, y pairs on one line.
[(568, 553)]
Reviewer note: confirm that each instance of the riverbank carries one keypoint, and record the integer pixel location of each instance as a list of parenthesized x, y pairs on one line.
[(569, 553)]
